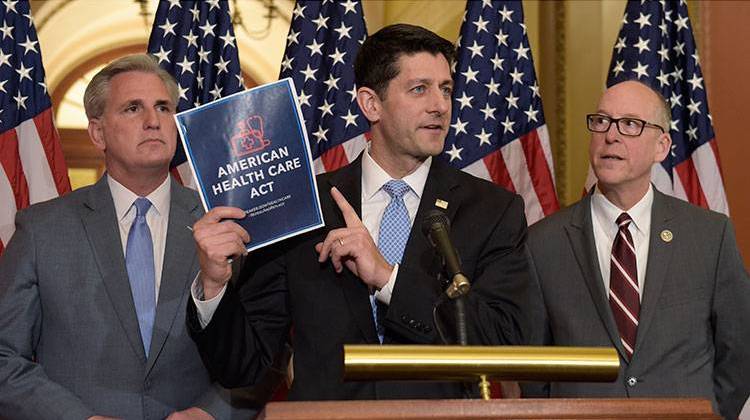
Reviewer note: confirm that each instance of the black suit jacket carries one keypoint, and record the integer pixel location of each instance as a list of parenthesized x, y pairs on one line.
[(284, 285)]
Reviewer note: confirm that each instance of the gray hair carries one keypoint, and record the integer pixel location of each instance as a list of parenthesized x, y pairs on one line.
[(95, 97)]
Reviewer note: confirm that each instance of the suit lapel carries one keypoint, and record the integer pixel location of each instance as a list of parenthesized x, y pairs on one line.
[(580, 233), (348, 181), (659, 259), (100, 223), (179, 262), (439, 186)]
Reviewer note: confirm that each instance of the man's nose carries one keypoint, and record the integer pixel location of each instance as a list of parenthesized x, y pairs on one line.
[(151, 118), (613, 133), (440, 102)]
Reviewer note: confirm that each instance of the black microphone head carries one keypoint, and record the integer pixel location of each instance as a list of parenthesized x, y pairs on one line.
[(435, 218)]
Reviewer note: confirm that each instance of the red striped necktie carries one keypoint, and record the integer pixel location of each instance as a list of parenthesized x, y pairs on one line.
[(623, 285)]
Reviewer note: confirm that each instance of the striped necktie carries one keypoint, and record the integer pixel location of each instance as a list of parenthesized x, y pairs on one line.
[(624, 293)]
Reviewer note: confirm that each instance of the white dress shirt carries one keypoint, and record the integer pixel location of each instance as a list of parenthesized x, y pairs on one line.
[(603, 217), (157, 219), (374, 202)]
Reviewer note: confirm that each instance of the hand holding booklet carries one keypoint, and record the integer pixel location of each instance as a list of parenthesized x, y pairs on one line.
[(250, 150)]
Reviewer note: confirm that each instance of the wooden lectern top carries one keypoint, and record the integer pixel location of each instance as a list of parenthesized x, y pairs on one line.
[(676, 408)]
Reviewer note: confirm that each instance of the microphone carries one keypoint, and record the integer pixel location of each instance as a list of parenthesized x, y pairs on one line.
[(437, 228)]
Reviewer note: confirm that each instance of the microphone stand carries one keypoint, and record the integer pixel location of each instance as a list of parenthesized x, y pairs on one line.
[(436, 227), (457, 291)]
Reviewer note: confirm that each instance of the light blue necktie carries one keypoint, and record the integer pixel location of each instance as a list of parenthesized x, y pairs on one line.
[(394, 232), (139, 260)]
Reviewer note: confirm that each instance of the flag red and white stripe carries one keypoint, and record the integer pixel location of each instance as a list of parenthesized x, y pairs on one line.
[(32, 167), (340, 155), (523, 166)]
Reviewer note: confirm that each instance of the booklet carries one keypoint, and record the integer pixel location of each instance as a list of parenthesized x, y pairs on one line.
[(250, 150)]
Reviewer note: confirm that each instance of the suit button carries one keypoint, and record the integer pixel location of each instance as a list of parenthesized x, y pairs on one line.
[(427, 329), (632, 381), (404, 319)]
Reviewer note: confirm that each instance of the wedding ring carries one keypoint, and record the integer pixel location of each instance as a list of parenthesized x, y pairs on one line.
[(341, 242)]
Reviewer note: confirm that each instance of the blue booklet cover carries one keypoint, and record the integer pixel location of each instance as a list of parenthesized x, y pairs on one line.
[(250, 150)]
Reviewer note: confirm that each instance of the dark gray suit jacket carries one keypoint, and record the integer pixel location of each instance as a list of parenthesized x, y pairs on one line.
[(694, 329), (70, 346)]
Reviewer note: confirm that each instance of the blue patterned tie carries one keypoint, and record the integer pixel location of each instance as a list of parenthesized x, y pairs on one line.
[(394, 232), (139, 260)]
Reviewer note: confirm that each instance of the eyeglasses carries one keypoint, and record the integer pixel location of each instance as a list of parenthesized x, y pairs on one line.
[(631, 127)]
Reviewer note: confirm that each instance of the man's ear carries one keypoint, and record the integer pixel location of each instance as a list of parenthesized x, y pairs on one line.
[(663, 147), (369, 103), (96, 134)]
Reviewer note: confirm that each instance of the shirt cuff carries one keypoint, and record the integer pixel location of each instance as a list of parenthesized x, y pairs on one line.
[(384, 294), (205, 308)]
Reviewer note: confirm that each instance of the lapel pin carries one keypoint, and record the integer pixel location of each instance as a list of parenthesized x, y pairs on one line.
[(666, 235), (441, 203)]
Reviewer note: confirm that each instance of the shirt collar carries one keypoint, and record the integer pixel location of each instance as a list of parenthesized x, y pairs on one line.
[(374, 177), (607, 212), (124, 198)]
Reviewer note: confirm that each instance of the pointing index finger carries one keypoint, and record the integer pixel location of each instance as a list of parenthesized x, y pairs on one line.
[(350, 216)]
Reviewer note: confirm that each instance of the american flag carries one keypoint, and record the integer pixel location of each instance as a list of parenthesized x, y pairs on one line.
[(194, 41), (323, 40), (656, 46), (498, 130), (32, 167)]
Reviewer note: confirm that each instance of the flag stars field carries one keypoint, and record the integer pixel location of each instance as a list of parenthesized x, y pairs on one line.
[(497, 110)]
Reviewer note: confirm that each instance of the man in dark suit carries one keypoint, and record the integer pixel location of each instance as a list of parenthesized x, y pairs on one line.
[(359, 280), (94, 285), (659, 279)]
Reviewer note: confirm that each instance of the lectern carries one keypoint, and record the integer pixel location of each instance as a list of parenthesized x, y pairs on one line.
[(470, 363)]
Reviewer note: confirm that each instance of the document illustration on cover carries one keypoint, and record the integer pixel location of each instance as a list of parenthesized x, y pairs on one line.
[(250, 150)]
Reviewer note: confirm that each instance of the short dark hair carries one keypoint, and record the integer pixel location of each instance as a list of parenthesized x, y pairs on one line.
[(375, 64)]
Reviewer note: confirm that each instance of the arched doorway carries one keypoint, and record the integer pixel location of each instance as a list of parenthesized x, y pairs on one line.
[(78, 37)]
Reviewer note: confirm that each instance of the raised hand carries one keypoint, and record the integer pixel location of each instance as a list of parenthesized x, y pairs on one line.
[(353, 247), (218, 239)]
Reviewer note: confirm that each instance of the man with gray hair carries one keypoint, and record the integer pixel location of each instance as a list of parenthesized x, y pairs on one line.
[(94, 285)]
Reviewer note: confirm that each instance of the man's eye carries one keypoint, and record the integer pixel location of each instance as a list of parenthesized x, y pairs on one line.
[(131, 108), (447, 91), (419, 89), (600, 120), (630, 122)]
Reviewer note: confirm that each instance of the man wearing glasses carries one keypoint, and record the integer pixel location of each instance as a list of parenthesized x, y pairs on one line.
[(656, 278)]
